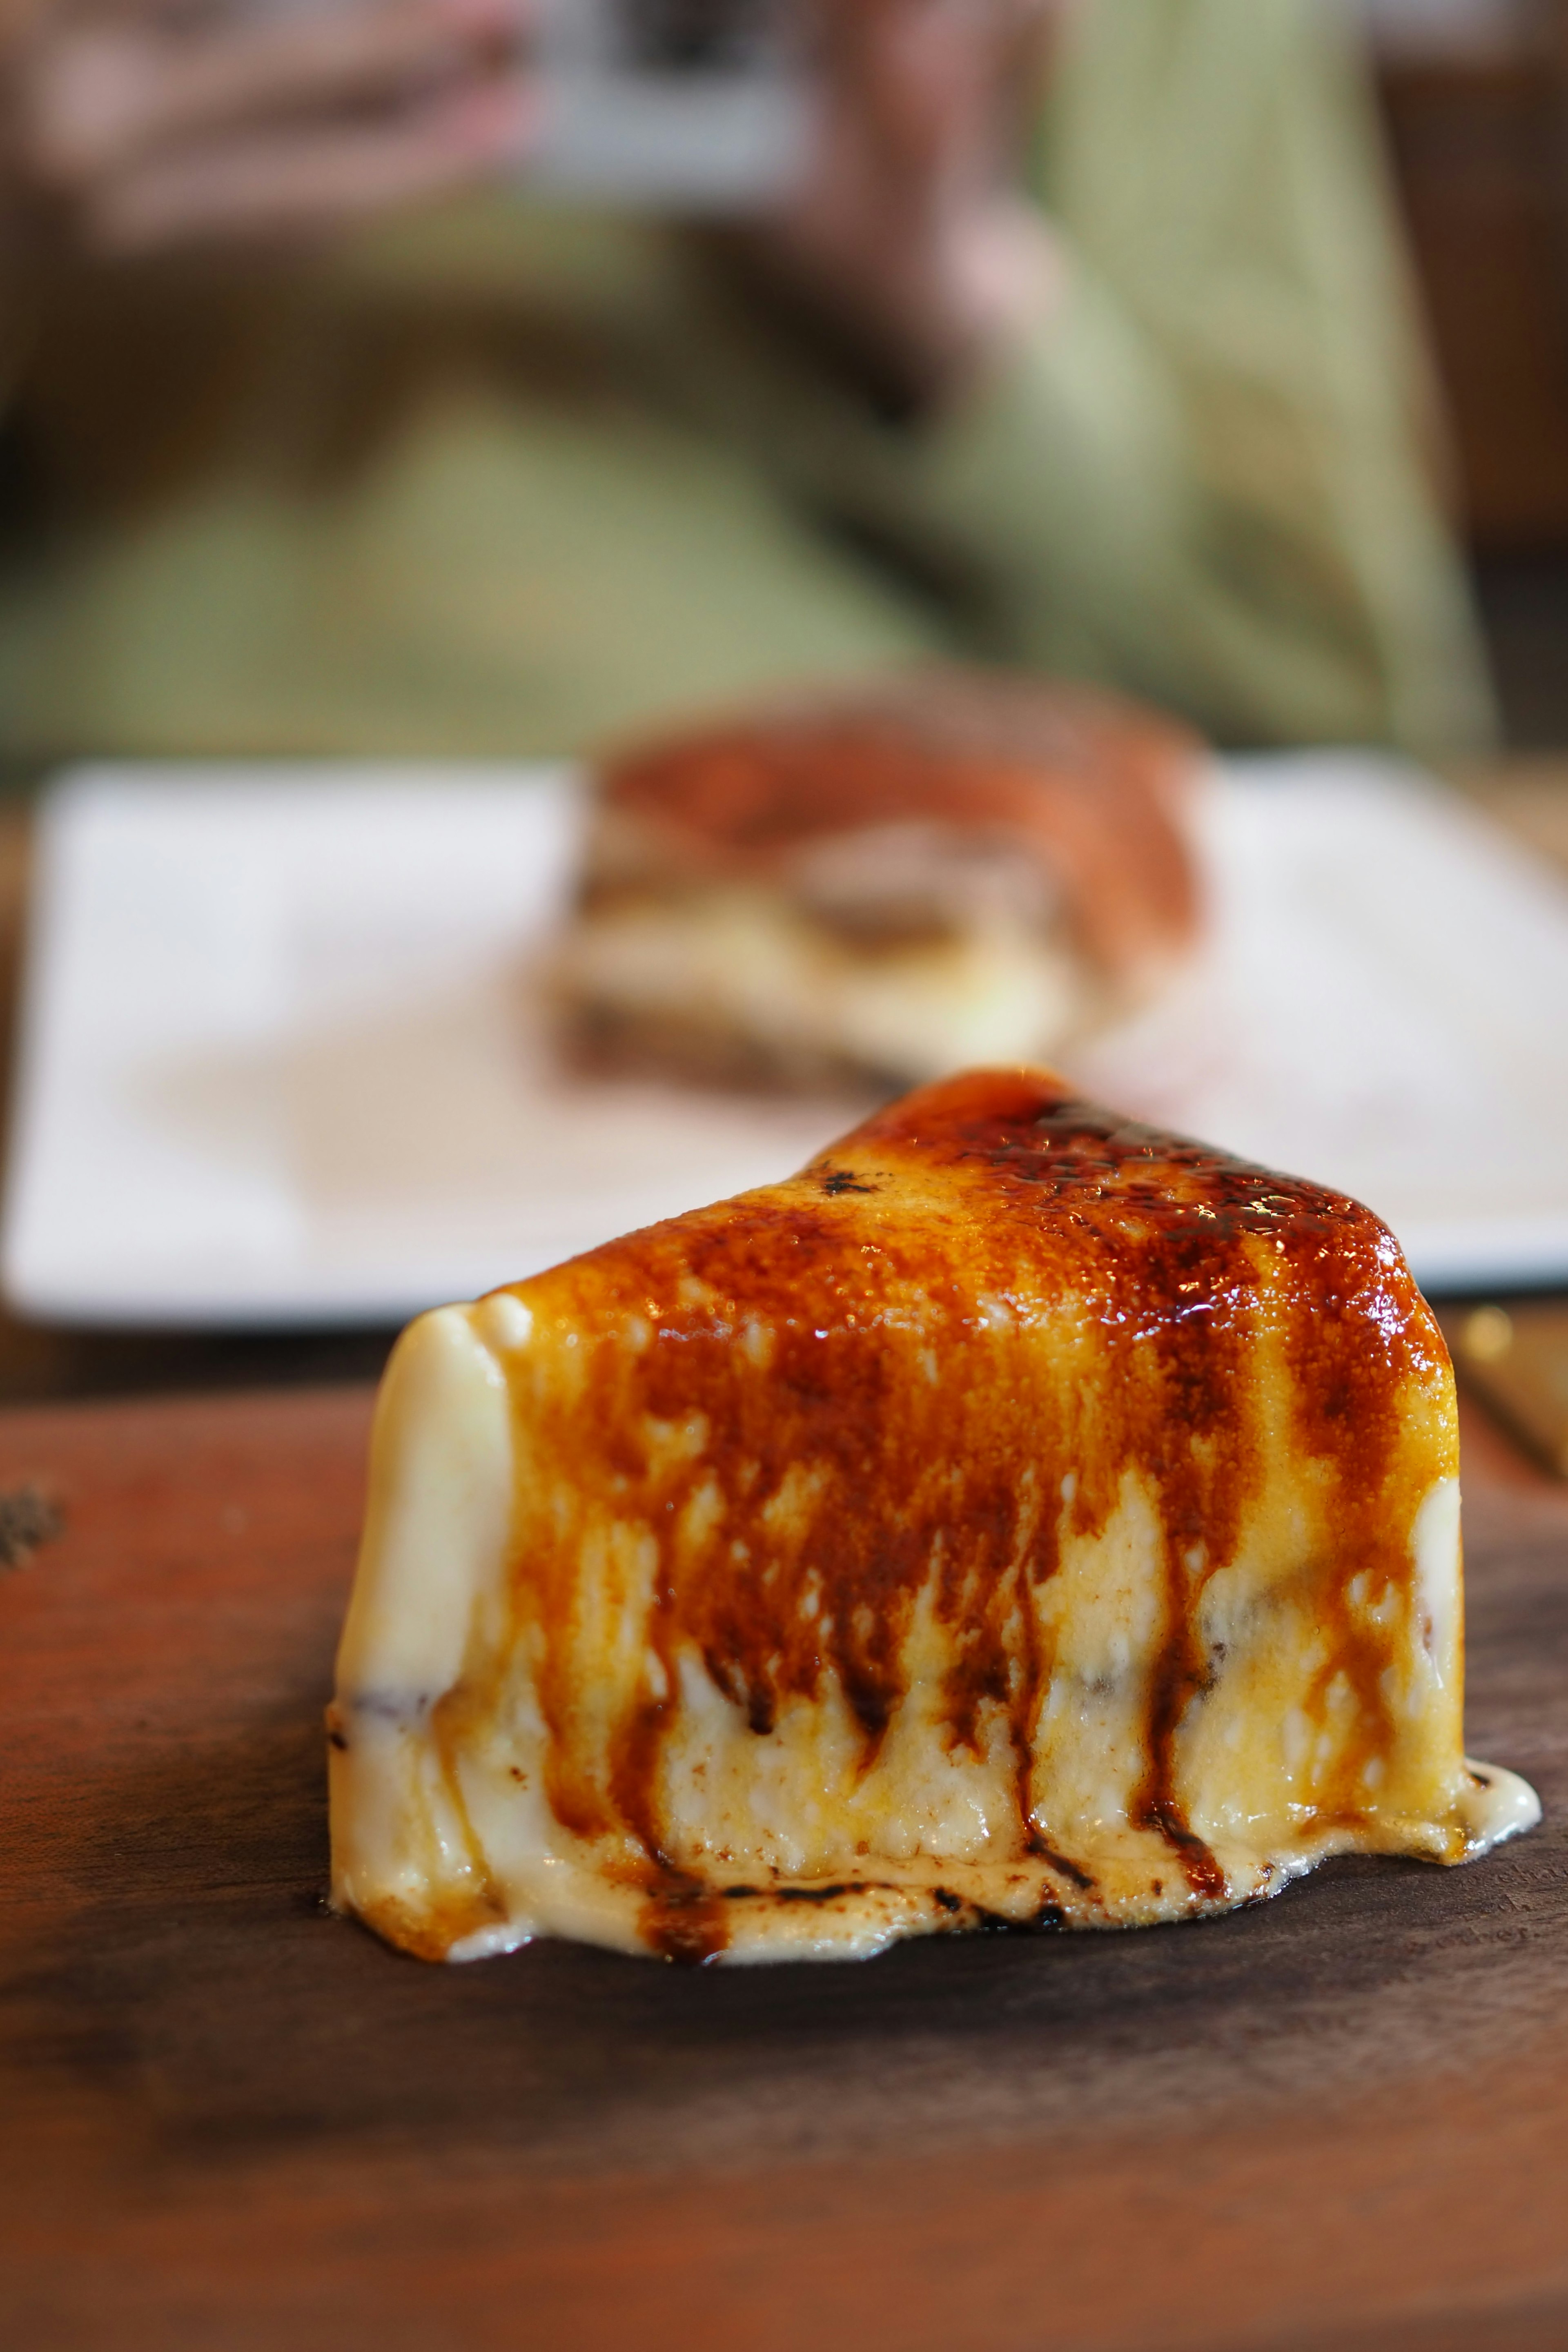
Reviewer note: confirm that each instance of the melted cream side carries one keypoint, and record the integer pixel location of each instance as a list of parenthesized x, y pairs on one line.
[(739, 963), (444, 1840)]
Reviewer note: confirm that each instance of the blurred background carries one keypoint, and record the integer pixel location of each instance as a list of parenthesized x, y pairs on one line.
[(1475, 97), (468, 380)]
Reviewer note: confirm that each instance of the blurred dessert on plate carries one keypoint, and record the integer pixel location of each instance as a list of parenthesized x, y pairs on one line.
[(881, 884)]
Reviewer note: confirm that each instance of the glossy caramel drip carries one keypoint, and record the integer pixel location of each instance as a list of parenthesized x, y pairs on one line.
[(886, 1297)]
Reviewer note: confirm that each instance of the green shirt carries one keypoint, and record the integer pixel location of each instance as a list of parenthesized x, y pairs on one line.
[(501, 481)]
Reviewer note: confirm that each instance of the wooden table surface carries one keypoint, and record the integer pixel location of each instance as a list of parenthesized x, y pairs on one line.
[(231, 2120)]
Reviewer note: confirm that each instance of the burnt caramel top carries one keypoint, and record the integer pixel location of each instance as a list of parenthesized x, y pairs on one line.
[(1088, 788), (944, 1343)]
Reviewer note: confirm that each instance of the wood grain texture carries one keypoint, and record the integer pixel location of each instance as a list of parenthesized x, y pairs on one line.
[(229, 2119)]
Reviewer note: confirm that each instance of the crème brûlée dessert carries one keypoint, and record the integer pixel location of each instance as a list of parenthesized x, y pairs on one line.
[(1020, 1517), (888, 881)]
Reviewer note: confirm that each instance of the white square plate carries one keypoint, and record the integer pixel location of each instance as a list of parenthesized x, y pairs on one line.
[(280, 1061)]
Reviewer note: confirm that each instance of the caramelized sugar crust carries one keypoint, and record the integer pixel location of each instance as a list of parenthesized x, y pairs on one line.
[(1086, 787), (892, 1295)]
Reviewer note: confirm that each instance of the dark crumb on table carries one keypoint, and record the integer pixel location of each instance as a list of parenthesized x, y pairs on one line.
[(27, 1519)]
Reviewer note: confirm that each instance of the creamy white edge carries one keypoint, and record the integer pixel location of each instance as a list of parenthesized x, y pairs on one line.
[(739, 963), (430, 1596)]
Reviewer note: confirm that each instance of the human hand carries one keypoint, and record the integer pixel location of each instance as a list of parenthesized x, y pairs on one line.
[(131, 129), (909, 236)]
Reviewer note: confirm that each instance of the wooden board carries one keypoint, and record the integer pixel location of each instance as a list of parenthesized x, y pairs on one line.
[(229, 2119)]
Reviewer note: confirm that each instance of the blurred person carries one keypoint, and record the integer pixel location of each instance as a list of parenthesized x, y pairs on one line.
[(1085, 344)]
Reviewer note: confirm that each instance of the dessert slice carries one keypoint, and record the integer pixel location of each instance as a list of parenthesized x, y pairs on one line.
[(1019, 1516), (947, 868)]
